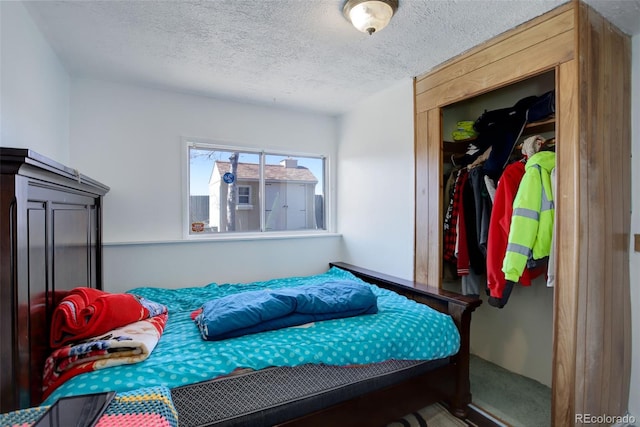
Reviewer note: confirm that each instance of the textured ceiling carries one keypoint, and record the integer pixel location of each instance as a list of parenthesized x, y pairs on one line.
[(293, 53)]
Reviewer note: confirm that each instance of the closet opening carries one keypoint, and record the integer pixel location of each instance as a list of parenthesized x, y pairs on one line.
[(489, 142)]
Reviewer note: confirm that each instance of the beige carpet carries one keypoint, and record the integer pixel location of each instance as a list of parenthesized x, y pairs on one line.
[(434, 415)]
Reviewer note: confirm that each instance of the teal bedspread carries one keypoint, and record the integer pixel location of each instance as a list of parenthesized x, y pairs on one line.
[(402, 329)]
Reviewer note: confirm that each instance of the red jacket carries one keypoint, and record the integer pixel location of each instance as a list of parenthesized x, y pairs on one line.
[(499, 226)]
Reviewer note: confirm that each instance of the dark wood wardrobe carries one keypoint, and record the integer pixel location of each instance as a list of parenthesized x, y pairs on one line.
[(591, 63), (50, 242)]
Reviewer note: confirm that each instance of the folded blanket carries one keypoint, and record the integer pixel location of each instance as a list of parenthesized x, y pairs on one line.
[(126, 345), (257, 311), (88, 312)]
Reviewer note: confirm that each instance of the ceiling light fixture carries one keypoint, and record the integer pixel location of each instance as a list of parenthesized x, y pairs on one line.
[(369, 16)]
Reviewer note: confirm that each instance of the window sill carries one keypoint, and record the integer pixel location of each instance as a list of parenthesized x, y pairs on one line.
[(271, 235)]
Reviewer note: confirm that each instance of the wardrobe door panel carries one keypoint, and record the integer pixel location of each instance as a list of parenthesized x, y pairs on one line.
[(621, 131), (568, 208), (428, 261), (434, 262), (615, 146), (33, 316), (59, 243), (70, 250), (605, 148), (422, 206)]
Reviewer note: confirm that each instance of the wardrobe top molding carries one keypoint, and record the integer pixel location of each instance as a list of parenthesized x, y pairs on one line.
[(524, 51), (26, 162)]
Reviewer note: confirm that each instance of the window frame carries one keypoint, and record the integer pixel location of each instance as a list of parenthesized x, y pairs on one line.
[(188, 143), (238, 195)]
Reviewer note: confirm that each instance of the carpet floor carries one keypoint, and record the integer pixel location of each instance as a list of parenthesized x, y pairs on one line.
[(517, 400), (434, 415)]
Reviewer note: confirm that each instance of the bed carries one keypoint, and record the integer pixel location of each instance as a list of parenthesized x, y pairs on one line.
[(356, 391), (365, 388)]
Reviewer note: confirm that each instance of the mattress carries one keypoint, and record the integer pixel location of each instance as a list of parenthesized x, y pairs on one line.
[(274, 395)]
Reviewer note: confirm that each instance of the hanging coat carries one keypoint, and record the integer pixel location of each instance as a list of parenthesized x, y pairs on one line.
[(531, 229), (500, 224)]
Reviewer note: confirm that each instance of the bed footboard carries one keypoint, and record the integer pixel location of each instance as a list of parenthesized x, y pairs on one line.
[(459, 307)]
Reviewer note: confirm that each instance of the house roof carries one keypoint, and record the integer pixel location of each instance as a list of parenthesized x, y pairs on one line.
[(251, 171)]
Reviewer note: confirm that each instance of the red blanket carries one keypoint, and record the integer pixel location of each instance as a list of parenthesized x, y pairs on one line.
[(87, 312)]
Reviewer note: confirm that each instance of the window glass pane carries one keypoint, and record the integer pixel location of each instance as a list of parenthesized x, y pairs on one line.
[(294, 193), (227, 185), (244, 195), (216, 176)]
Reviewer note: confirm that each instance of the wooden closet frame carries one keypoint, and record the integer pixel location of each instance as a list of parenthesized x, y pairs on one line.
[(592, 314)]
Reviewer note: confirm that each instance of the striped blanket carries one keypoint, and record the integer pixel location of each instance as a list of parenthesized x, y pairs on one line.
[(149, 407), (129, 344)]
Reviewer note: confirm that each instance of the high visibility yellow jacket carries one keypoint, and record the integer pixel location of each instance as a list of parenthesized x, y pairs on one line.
[(532, 219)]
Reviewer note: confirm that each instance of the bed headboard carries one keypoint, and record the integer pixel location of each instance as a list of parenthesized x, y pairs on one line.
[(50, 242)]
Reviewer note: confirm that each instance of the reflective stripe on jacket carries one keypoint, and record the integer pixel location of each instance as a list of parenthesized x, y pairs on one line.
[(532, 220)]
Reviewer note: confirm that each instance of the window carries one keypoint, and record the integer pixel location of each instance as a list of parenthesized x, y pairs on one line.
[(244, 195), (238, 190)]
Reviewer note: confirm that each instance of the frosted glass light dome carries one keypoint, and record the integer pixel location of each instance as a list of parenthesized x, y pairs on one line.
[(370, 16)]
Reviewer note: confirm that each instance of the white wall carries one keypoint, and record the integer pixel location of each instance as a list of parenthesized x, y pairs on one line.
[(197, 263), (34, 88), (129, 138), (634, 265), (376, 182)]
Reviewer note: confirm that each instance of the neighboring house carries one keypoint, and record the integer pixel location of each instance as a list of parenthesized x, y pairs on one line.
[(289, 197)]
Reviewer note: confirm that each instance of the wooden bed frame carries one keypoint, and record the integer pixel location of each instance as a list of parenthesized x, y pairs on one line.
[(448, 384), (50, 242)]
